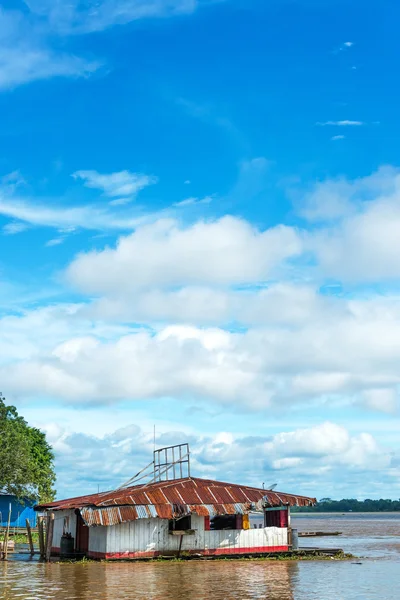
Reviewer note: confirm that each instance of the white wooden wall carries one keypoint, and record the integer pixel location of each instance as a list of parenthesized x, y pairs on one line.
[(59, 516), (271, 537), (151, 535), (98, 540)]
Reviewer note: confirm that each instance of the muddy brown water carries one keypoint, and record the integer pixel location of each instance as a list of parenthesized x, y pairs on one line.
[(376, 538)]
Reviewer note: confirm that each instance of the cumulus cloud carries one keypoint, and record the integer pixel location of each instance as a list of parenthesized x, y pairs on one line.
[(122, 185), (180, 362), (276, 304), (225, 251), (382, 399), (309, 357), (317, 455), (365, 242)]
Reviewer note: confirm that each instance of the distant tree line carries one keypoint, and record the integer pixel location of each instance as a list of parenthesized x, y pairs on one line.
[(351, 505)]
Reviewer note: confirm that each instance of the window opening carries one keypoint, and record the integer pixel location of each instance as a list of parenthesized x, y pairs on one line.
[(276, 518), (182, 524), (223, 522)]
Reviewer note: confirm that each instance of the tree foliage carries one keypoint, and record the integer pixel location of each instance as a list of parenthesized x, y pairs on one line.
[(26, 459)]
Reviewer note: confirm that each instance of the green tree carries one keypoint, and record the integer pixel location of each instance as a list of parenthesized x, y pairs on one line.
[(26, 459)]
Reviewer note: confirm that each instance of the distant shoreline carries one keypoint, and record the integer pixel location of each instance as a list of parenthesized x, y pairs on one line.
[(344, 513)]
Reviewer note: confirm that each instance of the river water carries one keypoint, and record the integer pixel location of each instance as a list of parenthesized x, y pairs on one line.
[(375, 538)]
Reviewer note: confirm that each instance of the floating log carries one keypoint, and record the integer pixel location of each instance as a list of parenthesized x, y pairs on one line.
[(318, 533)]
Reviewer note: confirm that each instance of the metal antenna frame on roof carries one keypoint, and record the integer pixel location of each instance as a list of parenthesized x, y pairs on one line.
[(176, 459), (180, 464)]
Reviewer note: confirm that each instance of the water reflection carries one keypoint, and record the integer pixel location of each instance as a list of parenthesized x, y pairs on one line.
[(226, 580), (375, 578)]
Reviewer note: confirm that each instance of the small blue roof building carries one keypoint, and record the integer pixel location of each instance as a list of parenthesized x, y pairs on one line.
[(21, 509)]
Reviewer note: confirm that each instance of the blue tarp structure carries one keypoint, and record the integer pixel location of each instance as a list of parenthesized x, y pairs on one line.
[(20, 510)]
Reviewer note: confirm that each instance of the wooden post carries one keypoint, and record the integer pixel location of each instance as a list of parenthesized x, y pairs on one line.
[(41, 536), (30, 540), (49, 536), (7, 533), (289, 531), (180, 546)]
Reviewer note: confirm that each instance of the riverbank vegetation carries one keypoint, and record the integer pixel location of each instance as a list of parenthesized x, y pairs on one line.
[(20, 538), (350, 505), (277, 557), (26, 459)]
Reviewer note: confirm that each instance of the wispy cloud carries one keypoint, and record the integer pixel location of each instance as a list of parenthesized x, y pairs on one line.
[(55, 242), (193, 202), (122, 185), (26, 54), (209, 115), (27, 49), (338, 137), (77, 17), (345, 123), (342, 47), (15, 227), (60, 217)]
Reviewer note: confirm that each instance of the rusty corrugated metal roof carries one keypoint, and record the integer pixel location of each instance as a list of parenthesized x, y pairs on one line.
[(172, 499), (113, 515)]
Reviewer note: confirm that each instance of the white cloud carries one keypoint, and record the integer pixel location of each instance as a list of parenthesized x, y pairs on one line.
[(193, 202), (327, 439), (328, 445), (14, 227), (225, 251), (297, 345), (363, 245), (122, 185), (27, 36), (344, 123), (61, 217), (336, 199), (55, 242), (110, 459), (338, 137), (313, 357), (24, 64), (277, 304), (26, 56), (96, 15), (383, 399), (176, 362)]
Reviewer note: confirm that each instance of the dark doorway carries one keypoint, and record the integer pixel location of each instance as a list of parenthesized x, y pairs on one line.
[(82, 534)]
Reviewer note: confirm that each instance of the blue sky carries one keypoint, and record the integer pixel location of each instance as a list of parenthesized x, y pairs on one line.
[(200, 217)]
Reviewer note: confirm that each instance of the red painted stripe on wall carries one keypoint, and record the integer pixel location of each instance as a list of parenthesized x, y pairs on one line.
[(255, 550), (210, 552)]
